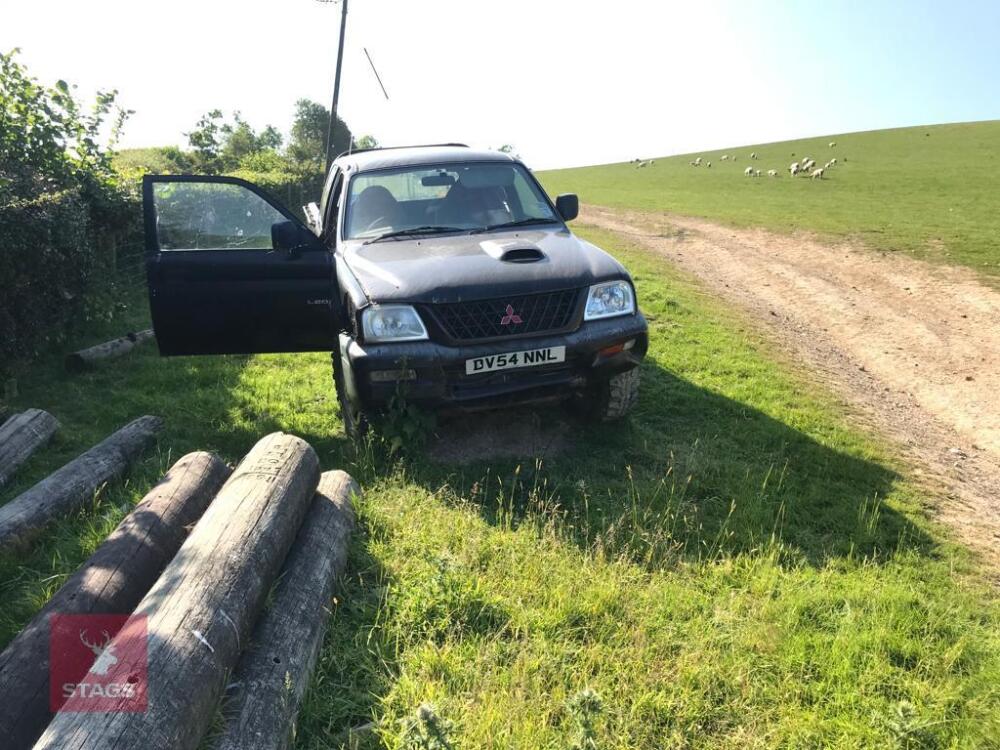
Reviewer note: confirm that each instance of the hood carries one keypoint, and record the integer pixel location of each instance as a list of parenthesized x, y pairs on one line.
[(453, 268)]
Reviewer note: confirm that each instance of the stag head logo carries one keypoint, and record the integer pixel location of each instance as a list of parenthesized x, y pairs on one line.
[(104, 652), (98, 662)]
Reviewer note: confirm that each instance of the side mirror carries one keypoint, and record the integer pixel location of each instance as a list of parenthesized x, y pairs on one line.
[(568, 206), (290, 236)]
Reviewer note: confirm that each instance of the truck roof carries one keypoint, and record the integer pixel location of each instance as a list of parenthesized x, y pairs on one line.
[(364, 161)]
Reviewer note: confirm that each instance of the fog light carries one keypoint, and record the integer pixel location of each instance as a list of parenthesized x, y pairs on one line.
[(392, 376)]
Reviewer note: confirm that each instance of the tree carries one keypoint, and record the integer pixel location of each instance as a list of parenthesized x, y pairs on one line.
[(508, 149), (220, 145), (307, 146), (206, 139), (366, 141)]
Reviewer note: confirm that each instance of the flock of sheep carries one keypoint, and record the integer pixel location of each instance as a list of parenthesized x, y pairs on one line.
[(805, 166)]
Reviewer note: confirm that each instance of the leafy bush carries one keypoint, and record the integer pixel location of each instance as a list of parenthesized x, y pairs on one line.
[(47, 141), (46, 261), (131, 164), (58, 193), (292, 189)]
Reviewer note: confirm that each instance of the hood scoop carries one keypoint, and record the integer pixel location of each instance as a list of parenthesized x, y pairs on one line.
[(513, 252)]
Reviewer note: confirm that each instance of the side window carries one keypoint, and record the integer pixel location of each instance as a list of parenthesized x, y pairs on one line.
[(332, 217), (212, 216), (325, 204)]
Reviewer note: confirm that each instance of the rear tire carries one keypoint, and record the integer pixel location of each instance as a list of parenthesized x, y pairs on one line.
[(612, 399)]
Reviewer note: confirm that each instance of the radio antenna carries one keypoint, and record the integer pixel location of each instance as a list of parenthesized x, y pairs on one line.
[(377, 76)]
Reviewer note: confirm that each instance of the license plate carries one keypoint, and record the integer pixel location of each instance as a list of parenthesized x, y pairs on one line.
[(510, 360)]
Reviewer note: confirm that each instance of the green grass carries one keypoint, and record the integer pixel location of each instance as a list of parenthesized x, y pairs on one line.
[(929, 191), (734, 566)]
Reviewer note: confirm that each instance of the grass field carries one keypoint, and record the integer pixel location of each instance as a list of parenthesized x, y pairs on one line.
[(929, 191), (732, 567)]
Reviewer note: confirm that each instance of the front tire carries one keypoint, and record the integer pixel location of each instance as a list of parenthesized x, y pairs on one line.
[(612, 399), (355, 420)]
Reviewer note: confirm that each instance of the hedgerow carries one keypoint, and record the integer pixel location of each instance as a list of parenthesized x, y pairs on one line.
[(62, 209)]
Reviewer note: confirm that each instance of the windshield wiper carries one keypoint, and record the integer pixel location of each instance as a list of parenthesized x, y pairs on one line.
[(520, 223), (426, 229)]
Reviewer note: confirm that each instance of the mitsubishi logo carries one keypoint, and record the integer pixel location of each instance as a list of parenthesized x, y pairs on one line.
[(510, 317)]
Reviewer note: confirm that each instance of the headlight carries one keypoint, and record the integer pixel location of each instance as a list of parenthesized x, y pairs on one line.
[(392, 323), (610, 299)]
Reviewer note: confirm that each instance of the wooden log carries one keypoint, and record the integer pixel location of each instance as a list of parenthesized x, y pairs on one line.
[(21, 436), (199, 614), (274, 671), (112, 581), (87, 358), (75, 483)]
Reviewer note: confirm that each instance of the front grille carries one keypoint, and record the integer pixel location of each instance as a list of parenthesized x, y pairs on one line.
[(498, 318)]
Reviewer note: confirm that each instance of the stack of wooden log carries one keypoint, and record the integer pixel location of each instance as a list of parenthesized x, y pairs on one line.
[(74, 484), (200, 597)]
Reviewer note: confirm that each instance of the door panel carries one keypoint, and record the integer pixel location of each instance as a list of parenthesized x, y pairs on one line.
[(217, 285)]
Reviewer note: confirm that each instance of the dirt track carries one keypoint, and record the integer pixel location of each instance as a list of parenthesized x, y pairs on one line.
[(916, 347)]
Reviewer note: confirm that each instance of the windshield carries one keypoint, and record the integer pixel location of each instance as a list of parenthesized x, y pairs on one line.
[(451, 197)]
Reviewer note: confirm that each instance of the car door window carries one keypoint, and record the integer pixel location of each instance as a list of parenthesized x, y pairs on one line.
[(212, 216)]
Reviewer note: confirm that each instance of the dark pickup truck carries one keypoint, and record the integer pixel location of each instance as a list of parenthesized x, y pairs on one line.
[(440, 270)]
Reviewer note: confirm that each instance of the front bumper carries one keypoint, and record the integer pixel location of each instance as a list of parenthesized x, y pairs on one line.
[(436, 373)]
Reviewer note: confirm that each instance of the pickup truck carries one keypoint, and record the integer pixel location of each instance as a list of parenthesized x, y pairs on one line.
[(441, 272)]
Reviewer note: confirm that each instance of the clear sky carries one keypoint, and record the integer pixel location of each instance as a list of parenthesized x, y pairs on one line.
[(566, 82)]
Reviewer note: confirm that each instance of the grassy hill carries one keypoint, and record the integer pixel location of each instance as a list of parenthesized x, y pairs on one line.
[(930, 191), (735, 566)]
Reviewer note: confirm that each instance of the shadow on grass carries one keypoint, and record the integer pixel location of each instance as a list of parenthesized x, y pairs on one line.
[(690, 475)]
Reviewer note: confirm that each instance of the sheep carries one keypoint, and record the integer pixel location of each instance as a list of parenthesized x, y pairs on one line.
[(709, 165), (756, 173), (817, 174), (772, 173), (833, 161), (748, 172), (832, 144), (693, 163), (698, 161), (808, 164), (753, 154), (794, 169), (642, 164), (724, 157), (828, 165)]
